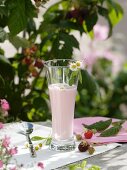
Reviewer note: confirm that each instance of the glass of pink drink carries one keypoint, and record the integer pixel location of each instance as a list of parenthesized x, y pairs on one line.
[(62, 92)]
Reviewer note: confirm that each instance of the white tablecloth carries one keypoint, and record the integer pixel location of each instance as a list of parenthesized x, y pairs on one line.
[(51, 159)]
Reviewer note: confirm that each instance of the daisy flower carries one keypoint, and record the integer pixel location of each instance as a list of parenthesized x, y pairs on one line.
[(73, 66), (78, 64)]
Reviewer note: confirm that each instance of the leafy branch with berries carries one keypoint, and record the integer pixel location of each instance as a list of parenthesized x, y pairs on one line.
[(105, 128), (22, 81)]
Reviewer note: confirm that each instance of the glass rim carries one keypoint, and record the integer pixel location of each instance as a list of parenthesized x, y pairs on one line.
[(48, 61)]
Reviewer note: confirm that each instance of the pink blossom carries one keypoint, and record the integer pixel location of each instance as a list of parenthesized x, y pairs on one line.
[(13, 151), (4, 105), (89, 60), (1, 164), (1, 125), (14, 168), (41, 165), (100, 32), (6, 142)]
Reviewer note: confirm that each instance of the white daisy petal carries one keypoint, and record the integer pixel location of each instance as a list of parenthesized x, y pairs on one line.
[(79, 64), (73, 66)]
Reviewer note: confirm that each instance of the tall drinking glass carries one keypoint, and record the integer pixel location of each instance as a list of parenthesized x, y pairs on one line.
[(62, 85)]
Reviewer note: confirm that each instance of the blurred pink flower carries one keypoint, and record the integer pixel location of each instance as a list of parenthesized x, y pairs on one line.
[(12, 151), (4, 105), (6, 142), (14, 168), (1, 125), (1, 164), (100, 32), (116, 59), (41, 165), (89, 60)]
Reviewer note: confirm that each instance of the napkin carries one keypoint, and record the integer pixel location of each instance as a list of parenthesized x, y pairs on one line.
[(120, 137)]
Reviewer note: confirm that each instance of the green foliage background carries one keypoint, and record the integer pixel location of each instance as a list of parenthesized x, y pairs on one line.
[(27, 94)]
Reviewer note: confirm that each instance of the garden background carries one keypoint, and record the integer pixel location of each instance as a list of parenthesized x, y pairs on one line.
[(79, 29)]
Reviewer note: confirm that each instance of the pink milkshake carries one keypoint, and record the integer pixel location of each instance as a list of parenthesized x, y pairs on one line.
[(62, 98)]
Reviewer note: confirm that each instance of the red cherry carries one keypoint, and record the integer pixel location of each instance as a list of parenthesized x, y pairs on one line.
[(88, 134)]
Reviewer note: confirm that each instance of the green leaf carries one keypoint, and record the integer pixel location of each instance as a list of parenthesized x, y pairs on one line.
[(115, 12), (99, 126), (20, 12), (94, 167), (4, 60), (40, 102), (118, 123), (36, 138), (30, 9), (70, 25), (103, 11), (83, 164), (18, 42), (3, 35), (6, 70), (63, 45), (48, 27), (90, 21), (66, 72), (48, 141), (17, 20), (89, 83), (2, 82), (3, 11), (69, 39), (51, 13), (80, 76), (113, 131), (74, 166), (73, 76)]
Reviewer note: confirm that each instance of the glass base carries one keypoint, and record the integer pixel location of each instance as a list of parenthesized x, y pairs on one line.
[(62, 145)]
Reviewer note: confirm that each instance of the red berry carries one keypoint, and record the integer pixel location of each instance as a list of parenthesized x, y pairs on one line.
[(83, 146), (28, 60), (34, 73), (33, 49), (88, 134), (38, 63)]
